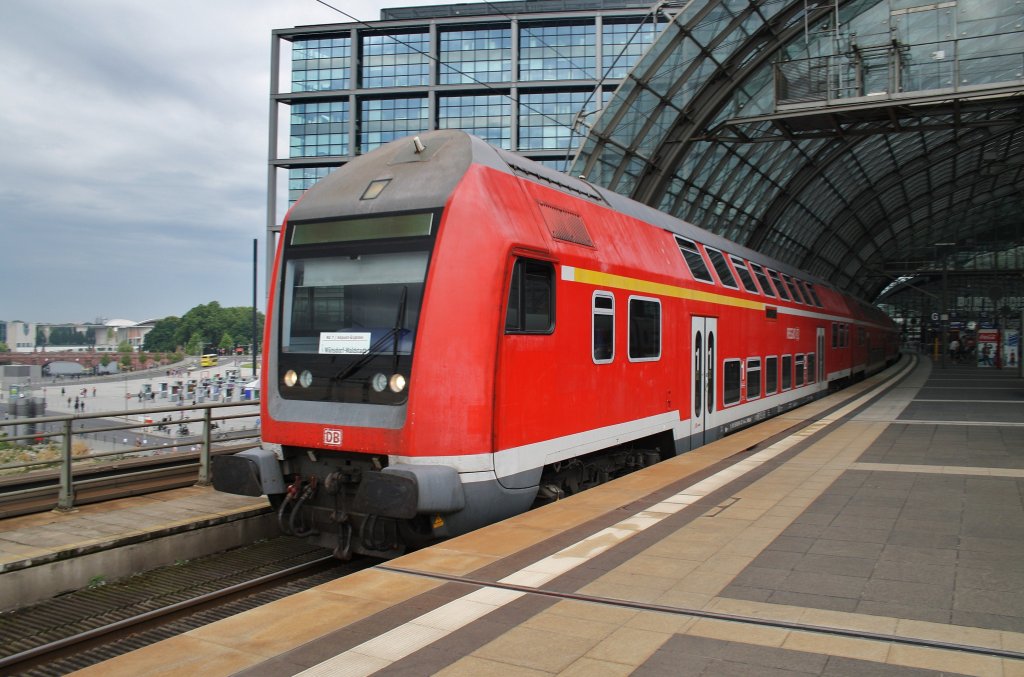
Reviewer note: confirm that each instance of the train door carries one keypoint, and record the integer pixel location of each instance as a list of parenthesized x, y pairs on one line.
[(821, 355), (704, 342)]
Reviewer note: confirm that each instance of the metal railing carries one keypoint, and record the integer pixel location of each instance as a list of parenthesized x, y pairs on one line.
[(896, 69), (31, 434)]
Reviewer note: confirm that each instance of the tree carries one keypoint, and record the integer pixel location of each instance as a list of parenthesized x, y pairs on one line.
[(194, 344), (69, 336), (210, 322), (125, 347), (227, 342), (4, 348), (126, 361), (162, 336)]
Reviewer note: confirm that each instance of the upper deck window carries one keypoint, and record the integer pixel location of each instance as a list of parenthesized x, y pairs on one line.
[(762, 279), (694, 261), (812, 294), (746, 279), (781, 288), (794, 289), (721, 267)]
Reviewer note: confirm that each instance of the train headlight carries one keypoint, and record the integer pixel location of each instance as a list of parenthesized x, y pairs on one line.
[(397, 383), (291, 378), (305, 378), (379, 382)]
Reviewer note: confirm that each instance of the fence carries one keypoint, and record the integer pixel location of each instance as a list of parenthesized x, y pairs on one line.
[(153, 435), (888, 70)]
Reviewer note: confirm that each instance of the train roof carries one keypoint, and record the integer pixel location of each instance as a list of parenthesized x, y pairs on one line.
[(451, 152), (642, 212)]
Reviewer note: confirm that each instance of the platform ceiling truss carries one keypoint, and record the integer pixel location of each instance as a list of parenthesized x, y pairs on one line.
[(840, 151)]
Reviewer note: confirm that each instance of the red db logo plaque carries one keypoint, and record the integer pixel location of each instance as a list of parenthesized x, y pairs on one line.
[(332, 437)]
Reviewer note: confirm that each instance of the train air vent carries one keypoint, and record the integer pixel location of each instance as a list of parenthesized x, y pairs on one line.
[(565, 225)]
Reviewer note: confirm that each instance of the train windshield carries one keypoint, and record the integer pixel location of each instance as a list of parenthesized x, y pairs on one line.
[(350, 300), (353, 305)]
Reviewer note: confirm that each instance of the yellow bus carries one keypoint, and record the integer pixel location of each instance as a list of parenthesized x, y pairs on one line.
[(208, 361)]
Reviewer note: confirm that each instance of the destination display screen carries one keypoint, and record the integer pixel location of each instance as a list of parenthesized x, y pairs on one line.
[(353, 230)]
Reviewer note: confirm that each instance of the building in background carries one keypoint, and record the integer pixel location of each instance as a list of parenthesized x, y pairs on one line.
[(518, 74)]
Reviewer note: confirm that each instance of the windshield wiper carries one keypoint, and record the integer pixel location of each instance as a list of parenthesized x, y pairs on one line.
[(397, 332)]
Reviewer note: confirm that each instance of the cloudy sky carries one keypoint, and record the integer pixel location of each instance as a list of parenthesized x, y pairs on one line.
[(134, 143)]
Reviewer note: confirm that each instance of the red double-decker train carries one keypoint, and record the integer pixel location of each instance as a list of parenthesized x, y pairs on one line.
[(455, 333)]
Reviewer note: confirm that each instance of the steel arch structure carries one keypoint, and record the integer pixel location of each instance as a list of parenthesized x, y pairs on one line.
[(845, 137)]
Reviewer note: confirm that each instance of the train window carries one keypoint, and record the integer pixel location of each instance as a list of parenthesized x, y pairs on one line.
[(771, 374), (644, 329), (787, 372), (753, 378), (531, 298), (762, 280), (779, 287), (694, 261), (835, 335), (709, 395), (798, 376), (810, 367), (698, 372), (812, 294), (794, 289), (721, 267), (603, 338), (746, 279), (730, 382)]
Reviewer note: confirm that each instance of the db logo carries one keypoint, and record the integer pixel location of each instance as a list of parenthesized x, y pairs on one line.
[(332, 437)]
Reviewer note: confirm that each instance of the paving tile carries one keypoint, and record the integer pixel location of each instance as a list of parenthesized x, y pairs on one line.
[(859, 567), (943, 661), (843, 548), (181, 655), (474, 666), (896, 611), (801, 599), (758, 577), (997, 602), (535, 649), (589, 667), (909, 594), (832, 585), (915, 572)]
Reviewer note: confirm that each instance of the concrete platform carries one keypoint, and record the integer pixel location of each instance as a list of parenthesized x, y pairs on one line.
[(44, 554), (872, 532)]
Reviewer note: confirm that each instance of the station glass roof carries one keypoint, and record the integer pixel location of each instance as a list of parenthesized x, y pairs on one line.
[(864, 141)]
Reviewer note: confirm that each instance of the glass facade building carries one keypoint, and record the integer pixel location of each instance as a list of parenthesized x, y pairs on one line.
[(523, 76)]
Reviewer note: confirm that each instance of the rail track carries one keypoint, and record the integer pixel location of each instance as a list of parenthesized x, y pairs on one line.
[(39, 491), (86, 627)]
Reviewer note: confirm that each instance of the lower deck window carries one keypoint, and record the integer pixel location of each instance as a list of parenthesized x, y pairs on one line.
[(771, 374), (730, 382), (644, 329), (811, 375), (603, 327), (799, 375), (787, 372), (753, 378)]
